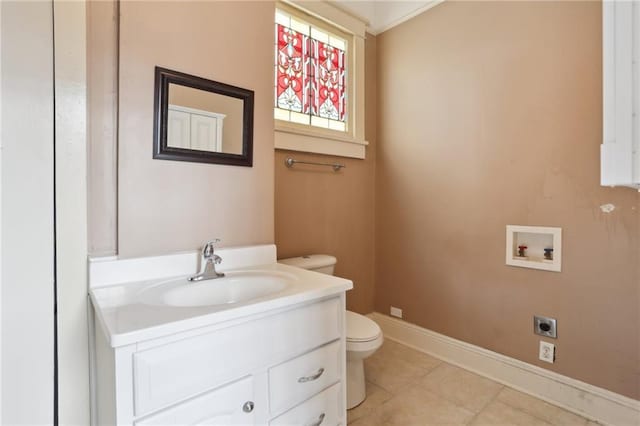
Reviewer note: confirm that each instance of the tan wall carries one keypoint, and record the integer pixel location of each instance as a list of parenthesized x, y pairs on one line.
[(164, 206), (320, 211), (491, 115), (102, 111), (213, 102)]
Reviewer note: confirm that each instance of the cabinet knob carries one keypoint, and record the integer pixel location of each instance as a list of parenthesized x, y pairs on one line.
[(248, 406)]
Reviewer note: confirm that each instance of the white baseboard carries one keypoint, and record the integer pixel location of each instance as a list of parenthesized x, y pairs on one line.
[(581, 398)]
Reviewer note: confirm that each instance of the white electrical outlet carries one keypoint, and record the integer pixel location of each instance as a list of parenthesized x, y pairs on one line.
[(396, 312), (547, 352)]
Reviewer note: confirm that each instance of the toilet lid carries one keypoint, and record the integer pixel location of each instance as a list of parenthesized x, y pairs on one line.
[(361, 328)]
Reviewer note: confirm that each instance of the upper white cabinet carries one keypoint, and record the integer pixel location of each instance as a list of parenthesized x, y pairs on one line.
[(194, 129), (620, 151)]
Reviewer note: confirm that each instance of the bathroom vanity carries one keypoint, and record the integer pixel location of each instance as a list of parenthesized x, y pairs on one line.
[(171, 352)]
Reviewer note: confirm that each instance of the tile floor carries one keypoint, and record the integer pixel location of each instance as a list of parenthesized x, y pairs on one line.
[(406, 387)]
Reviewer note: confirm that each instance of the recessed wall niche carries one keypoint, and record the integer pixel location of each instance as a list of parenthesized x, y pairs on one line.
[(536, 247)]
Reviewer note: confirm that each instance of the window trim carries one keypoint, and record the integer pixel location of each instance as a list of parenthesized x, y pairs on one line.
[(299, 137)]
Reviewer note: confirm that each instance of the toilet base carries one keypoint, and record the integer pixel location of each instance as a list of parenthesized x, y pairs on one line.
[(355, 383)]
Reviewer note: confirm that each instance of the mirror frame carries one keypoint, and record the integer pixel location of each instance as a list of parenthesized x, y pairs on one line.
[(164, 77)]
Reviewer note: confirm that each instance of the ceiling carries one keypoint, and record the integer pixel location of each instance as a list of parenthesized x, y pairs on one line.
[(385, 14)]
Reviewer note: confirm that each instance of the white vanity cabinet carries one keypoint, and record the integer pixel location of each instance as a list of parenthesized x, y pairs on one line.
[(283, 366)]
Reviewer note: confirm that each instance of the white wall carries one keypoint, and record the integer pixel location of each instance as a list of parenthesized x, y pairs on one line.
[(27, 247), (71, 210), (1, 376)]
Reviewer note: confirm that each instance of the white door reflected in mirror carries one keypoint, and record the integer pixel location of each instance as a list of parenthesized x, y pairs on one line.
[(195, 129), (204, 121)]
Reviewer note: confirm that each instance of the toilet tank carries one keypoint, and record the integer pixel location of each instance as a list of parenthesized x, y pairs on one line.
[(322, 263)]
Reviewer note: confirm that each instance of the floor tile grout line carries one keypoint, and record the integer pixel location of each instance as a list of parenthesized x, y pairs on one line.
[(418, 382), (535, 416), (486, 405), (502, 387), (372, 408), (423, 373), (585, 420), (411, 382), (457, 403), (393, 397)]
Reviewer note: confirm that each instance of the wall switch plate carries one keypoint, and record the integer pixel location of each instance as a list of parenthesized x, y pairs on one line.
[(547, 352), (545, 326), (396, 312)]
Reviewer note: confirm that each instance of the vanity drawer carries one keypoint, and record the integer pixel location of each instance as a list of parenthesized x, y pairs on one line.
[(324, 409), (296, 380), (172, 372), (222, 406)]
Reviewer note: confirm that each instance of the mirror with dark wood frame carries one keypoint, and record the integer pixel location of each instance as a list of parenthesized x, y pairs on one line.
[(201, 120)]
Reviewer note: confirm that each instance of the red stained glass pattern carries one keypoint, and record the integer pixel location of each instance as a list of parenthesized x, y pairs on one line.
[(310, 75), (292, 61), (328, 82)]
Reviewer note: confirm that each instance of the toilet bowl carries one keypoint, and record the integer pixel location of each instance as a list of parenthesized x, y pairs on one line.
[(363, 335)]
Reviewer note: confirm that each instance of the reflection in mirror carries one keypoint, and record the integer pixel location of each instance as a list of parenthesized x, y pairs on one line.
[(202, 120)]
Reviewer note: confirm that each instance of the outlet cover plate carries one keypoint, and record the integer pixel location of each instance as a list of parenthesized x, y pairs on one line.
[(396, 312), (547, 352), (545, 326)]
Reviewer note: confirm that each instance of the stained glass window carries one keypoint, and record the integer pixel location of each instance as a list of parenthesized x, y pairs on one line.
[(310, 86)]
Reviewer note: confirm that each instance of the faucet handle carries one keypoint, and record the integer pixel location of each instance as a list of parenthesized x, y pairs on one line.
[(209, 247)]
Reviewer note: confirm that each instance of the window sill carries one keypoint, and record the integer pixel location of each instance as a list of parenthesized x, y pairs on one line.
[(309, 141)]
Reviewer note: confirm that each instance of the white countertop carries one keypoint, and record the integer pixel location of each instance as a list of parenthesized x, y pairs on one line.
[(126, 320)]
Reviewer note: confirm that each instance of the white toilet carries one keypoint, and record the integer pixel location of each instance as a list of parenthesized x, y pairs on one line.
[(364, 336)]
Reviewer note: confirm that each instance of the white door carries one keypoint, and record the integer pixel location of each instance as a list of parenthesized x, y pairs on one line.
[(179, 129), (26, 213), (204, 133)]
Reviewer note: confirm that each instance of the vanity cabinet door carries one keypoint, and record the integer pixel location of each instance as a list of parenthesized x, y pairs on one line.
[(296, 380), (323, 409), (232, 404)]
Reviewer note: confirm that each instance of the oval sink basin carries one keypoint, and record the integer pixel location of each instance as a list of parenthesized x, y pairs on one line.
[(235, 287)]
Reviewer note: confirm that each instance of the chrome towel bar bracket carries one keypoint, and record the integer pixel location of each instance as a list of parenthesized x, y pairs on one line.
[(289, 162)]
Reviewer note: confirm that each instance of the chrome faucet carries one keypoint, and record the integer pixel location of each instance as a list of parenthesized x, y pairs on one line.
[(208, 263)]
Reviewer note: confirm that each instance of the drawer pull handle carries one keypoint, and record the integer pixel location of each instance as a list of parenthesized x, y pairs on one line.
[(248, 407), (311, 378), (319, 421)]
